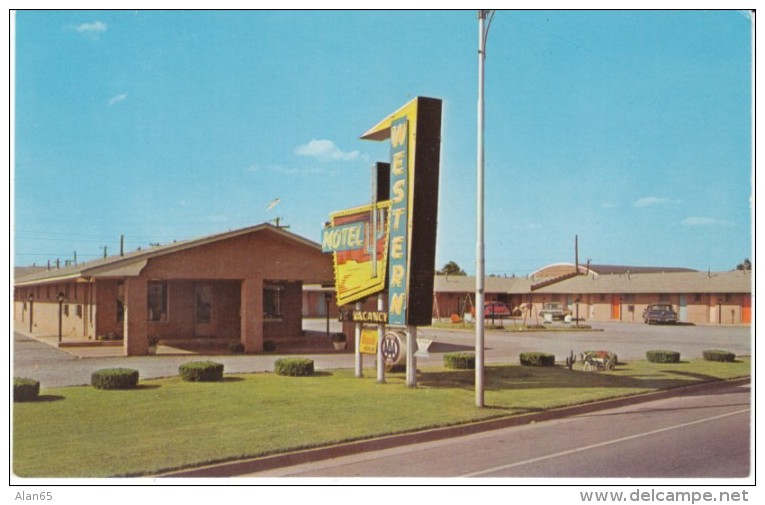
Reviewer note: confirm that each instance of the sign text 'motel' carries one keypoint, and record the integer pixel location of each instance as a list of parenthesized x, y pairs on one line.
[(408, 219)]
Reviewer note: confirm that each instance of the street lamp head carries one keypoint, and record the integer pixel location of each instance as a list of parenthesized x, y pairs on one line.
[(60, 297), (30, 297)]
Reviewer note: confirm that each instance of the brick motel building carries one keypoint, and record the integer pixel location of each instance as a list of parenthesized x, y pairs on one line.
[(609, 293), (240, 286), (256, 284)]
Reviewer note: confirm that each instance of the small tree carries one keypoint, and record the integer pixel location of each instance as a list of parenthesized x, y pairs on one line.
[(451, 268), (745, 265)]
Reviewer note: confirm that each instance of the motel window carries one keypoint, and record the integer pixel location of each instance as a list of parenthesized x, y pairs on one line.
[(156, 301), (272, 301), (120, 302)]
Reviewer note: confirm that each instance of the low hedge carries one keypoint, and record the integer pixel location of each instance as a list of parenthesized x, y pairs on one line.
[(460, 360), (662, 356), (718, 355), (25, 390), (537, 359), (201, 371), (114, 378), (294, 367)]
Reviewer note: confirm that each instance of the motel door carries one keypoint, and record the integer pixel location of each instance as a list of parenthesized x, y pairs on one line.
[(203, 310), (616, 307), (746, 310), (682, 314)]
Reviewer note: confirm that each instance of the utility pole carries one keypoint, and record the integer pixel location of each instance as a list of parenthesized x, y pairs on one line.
[(483, 32)]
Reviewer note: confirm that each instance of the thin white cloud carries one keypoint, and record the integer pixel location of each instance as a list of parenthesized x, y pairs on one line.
[(326, 150), (93, 29), (117, 99), (255, 168), (703, 221), (525, 226), (651, 201)]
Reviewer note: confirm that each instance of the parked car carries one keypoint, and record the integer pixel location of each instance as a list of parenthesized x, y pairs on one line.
[(495, 310), (556, 309), (658, 313)]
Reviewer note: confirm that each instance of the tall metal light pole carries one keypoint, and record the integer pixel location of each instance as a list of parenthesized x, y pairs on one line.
[(483, 32)]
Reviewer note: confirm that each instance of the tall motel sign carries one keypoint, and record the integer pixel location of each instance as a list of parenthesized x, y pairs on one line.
[(389, 245)]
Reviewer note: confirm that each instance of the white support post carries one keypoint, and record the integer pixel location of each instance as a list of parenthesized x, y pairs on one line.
[(380, 336), (411, 360), (357, 351)]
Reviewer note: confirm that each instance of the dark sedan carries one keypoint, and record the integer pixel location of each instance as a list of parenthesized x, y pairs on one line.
[(660, 313)]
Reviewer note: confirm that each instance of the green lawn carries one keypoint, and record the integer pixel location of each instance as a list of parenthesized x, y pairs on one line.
[(169, 424)]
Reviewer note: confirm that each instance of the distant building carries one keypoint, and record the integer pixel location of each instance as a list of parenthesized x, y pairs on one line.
[(609, 293), (240, 286)]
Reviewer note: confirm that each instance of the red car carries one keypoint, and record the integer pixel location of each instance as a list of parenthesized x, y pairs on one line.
[(495, 310)]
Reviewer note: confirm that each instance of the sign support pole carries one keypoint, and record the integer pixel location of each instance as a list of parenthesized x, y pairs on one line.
[(411, 360), (357, 351), (380, 336)]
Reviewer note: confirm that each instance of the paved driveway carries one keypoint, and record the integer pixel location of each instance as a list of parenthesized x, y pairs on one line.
[(56, 368), (629, 341)]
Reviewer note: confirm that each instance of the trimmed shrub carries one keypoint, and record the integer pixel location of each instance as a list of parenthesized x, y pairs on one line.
[(236, 347), (537, 359), (25, 390), (269, 346), (460, 360), (718, 355), (201, 371), (294, 367), (662, 356), (114, 378)]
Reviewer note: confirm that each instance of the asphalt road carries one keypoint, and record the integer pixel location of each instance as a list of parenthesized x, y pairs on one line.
[(698, 435)]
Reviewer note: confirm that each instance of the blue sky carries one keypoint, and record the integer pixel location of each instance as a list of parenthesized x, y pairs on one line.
[(629, 129)]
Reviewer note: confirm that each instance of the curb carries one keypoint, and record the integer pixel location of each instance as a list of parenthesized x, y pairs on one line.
[(232, 469)]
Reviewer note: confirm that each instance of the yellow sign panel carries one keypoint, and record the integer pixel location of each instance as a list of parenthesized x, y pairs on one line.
[(359, 239), (368, 344)]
